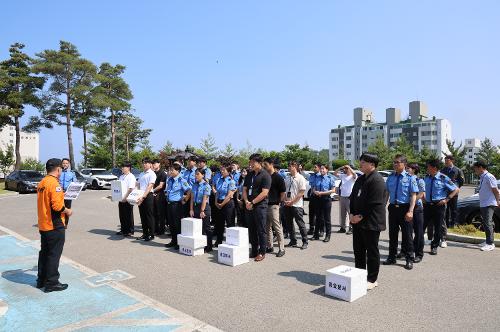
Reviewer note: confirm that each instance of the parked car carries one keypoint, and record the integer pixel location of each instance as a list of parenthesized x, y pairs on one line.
[(98, 178), (468, 212), (385, 174), (81, 178), (118, 172), (23, 181)]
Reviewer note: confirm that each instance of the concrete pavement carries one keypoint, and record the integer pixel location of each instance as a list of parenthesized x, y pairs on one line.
[(455, 290)]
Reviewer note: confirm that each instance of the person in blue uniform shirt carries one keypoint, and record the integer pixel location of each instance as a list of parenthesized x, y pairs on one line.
[(202, 163), (67, 176), (190, 171), (457, 176), (199, 205), (439, 190), (225, 190), (176, 191), (313, 201), (403, 189), (324, 186), (418, 214)]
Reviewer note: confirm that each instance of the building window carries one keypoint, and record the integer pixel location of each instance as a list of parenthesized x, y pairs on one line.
[(348, 146), (348, 137)]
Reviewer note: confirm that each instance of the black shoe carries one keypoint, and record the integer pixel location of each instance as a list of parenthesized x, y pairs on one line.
[(118, 233), (40, 284), (321, 234), (280, 253), (176, 247), (417, 259), (148, 238), (253, 255), (389, 261), (349, 231), (342, 230), (434, 251), (55, 288), (315, 238), (207, 250), (170, 245), (269, 250), (285, 236), (311, 231), (401, 255), (409, 264), (291, 244), (326, 239), (304, 246)]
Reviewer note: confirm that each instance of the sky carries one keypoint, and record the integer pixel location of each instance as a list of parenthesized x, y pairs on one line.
[(276, 72)]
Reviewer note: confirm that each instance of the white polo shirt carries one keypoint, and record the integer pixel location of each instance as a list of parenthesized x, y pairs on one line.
[(129, 180), (146, 178), (346, 185), (294, 184), (486, 197)]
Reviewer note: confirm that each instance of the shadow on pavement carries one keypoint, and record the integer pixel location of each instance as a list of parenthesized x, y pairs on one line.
[(305, 277), (111, 234), (349, 259), (20, 277)]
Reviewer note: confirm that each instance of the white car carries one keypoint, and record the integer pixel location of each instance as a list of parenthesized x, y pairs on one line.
[(98, 178)]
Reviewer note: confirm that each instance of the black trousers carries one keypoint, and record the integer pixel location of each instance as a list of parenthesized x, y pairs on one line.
[(160, 212), (206, 223), (418, 230), (434, 216), (451, 211), (366, 253), (396, 221), (51, 248), (126, 215), (323, 216), (295, 213), (67, 203), (225, 217), (241, 211), (313, 200), (174, 215), (257, 221), (215, 210), (146, 211)]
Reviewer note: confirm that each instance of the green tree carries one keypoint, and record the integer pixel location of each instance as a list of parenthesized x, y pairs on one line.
[(18, 88), (67, 72), (383, 152), (228, 151), (129, 133), (488, 152), (32, 164), (6, 160), (458, 153), (112, 94), (424, 155), (337, 163), (209, 147), (402, 146)]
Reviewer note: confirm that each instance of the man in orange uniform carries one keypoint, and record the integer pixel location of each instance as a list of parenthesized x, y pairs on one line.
[(51, 222)]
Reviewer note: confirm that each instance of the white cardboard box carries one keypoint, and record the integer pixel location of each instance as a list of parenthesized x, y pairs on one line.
[(118, 190), (232, 255), (346, 283), (190, 251), (134, 196), (237, 236), (194, 242), (191, 227)]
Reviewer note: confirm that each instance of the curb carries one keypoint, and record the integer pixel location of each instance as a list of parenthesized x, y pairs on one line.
[(468, 239)]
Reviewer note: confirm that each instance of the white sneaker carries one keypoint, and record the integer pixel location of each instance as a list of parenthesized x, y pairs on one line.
[(371, 285), (443, 244), (488, 247), (482, 244)]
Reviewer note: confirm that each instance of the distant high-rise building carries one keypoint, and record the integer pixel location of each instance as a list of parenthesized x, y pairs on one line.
[(29, 142), (472, 147), (349, 142)]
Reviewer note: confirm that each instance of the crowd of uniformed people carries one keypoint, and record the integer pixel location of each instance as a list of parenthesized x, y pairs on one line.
[(270, 202)]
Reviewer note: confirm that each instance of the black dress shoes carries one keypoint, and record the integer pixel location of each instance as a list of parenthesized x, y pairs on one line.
[(409, 264), (55, 288), (417, 259), (326, 239), (389, 261)]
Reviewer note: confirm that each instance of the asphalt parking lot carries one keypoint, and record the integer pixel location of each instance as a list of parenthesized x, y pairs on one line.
[(456, 290)]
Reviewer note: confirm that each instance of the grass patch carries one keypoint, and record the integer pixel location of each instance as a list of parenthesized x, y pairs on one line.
[(469, 230)]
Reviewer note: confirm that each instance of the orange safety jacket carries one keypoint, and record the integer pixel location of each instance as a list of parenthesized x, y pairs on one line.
[(50, 204)]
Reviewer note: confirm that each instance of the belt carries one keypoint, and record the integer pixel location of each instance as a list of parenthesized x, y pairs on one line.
[(431, 203), (400, 205), (273, 203)]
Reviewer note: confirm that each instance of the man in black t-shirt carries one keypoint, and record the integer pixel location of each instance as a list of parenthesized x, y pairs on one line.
[(275, 197), (159, 198), (255, 192)]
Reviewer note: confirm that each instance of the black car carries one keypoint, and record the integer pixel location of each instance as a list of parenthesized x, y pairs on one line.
[(23, 181), (468, 212)]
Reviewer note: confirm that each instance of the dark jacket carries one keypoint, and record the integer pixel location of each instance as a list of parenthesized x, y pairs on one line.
[(455, 174), (369, 199)]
